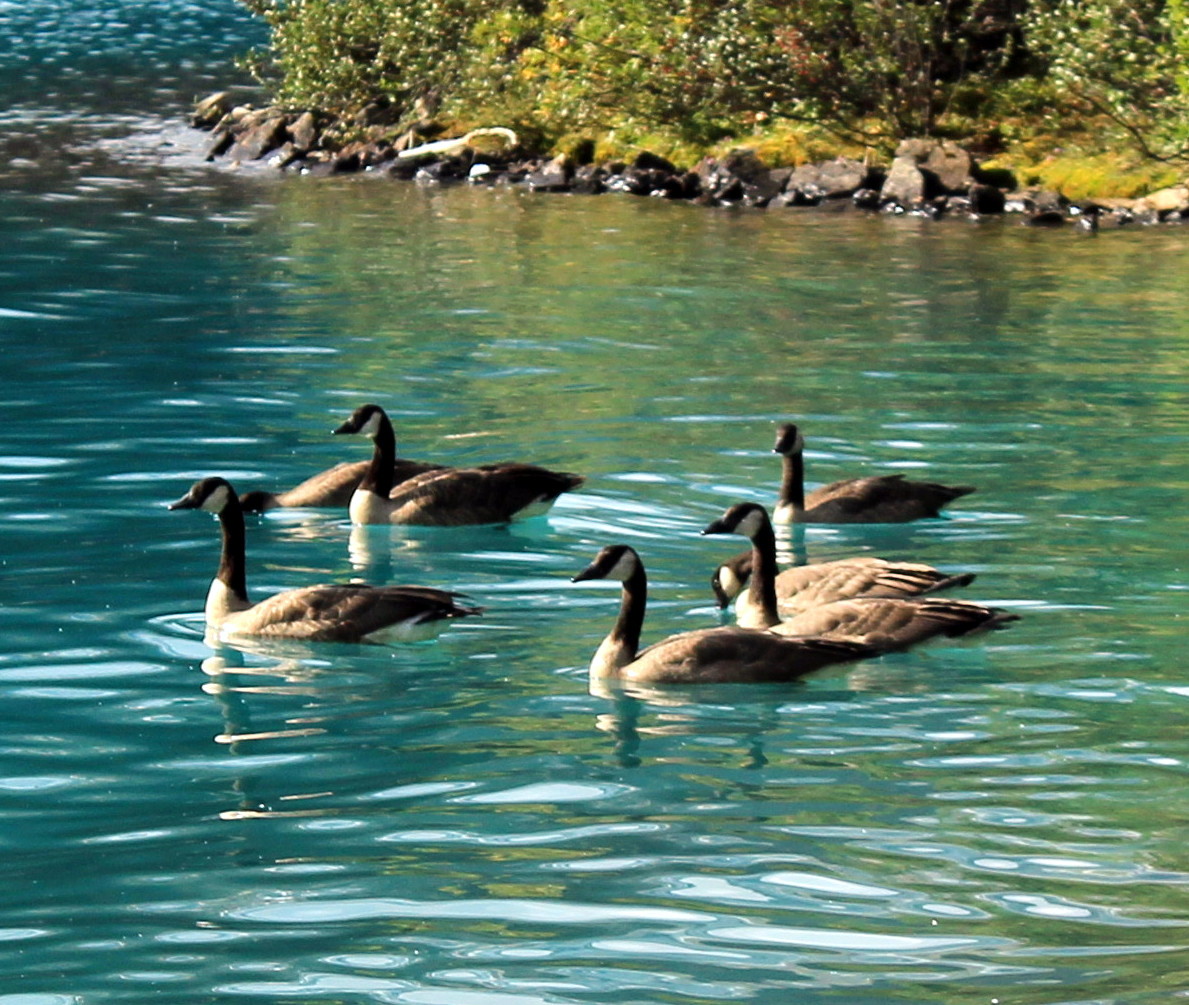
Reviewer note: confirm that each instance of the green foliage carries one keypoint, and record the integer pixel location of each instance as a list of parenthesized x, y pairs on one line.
[(707, 68), (1122, 59), (702, 71), (338, 55), (1103, 176)]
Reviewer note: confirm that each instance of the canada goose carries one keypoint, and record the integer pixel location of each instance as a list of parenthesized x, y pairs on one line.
[(348, 612), (806, 586), (876, 499), (330, 489), (884, 622), (708, 655), (490, 493)]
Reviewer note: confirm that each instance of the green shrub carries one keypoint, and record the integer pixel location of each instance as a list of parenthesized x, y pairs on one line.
[(339, 55), (1125, 60), (702, 71)]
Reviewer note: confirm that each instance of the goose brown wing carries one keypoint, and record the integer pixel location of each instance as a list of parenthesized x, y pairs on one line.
[(962, 617), (347, 612), (857, 618), (857, 495), (490, 494), (403, 470), (890, 623), (809, 585), (332, 487), (801, 588), (739, 655), (881, 499)]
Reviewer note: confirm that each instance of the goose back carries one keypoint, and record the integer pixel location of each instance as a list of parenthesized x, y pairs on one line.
[(349, 612), (739, 655), (889, 623), (494, 493)]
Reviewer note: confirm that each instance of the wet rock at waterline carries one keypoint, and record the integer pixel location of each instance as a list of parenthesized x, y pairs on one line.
[(931, 178)]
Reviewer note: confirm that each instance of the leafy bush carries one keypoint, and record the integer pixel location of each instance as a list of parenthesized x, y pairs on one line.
[(700, 70), (1127, 60), (338, 55), (705, 67)]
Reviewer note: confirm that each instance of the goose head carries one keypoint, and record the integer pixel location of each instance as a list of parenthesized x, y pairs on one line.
[(366, 420), (789, 440), (211, 494), (730, 578), (616, 561), (745, 519)]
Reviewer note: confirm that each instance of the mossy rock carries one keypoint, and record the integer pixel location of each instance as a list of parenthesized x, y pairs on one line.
[(1103, 176)]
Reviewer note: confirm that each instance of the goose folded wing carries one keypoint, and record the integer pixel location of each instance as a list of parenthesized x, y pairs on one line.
[(489, 494), (740, 655), (818, 584), (955, 618), (347, 611), (861, 618), (856, 495)]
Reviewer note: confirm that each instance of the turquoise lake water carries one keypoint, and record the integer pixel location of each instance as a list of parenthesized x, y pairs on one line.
[(462, 822)]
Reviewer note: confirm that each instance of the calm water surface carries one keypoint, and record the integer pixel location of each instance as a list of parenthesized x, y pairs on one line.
[(463, 822)]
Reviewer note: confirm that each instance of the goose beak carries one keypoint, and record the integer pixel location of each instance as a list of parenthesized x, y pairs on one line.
[(346, 427), (186, 502), (716, 527), (590, 572)]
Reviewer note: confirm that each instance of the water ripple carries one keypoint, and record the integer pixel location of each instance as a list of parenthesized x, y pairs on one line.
[(510, 910)]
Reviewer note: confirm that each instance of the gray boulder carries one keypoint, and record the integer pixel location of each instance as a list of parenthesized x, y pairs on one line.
[(257, 133), (952, 166), (924, 170), (303, 132), (210, 110), (905, 185), (837, 179)]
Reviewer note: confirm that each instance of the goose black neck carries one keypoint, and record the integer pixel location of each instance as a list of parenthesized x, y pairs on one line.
[(378, 477), (762, 588), (231, 562), (792, 483), (632, 606)]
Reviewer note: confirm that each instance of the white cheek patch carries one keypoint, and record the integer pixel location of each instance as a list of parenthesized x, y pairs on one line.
[(372, 426), (728, 582), (216, 501), (798, 443)]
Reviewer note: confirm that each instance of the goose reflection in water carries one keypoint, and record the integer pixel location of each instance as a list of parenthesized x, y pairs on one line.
[(655, 715)]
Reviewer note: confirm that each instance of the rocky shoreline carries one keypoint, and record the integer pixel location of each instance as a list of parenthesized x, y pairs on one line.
[(927, 177)]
